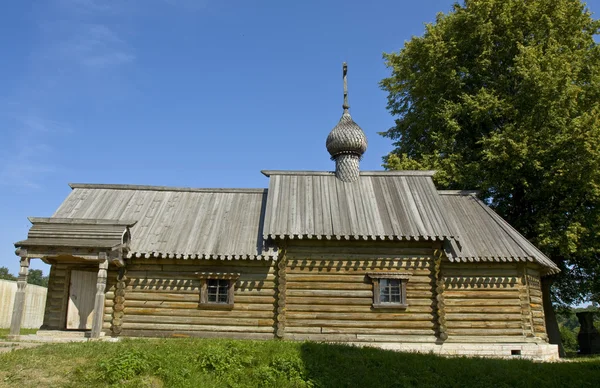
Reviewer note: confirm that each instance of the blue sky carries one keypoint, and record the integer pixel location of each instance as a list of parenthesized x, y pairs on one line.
[(194, 93)]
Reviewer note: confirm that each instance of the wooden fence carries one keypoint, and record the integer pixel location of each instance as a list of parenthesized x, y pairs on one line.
[(35, 302)]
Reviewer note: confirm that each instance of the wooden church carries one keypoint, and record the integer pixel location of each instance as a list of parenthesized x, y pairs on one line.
[(378, 258)]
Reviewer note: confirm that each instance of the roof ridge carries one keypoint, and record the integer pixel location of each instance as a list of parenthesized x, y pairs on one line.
[(165, 188), (459, 192), (428, 173)]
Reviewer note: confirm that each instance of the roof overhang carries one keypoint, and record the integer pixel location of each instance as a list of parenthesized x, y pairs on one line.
[(75, 236)]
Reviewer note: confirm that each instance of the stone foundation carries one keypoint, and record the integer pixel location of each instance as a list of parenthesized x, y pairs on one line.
[(530, 351)]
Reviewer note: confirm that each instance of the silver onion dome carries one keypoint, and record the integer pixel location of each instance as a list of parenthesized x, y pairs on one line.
[(346, 142)]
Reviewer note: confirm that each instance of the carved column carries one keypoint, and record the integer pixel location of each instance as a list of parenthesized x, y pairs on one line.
[(100, 296), (281, 291), (19, 306), (439, 297)]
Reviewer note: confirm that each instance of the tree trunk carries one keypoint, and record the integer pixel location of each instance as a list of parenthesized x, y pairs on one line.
[(551, 322)]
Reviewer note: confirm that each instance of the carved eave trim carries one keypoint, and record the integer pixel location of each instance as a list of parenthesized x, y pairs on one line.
[(56, 254), (218, 275), (389, 275)]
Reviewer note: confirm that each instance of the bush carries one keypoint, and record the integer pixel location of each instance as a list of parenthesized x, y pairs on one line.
[(569, 339)]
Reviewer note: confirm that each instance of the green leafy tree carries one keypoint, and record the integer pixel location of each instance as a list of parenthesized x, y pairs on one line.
[(504, 96), (4, 274), (36, 276)]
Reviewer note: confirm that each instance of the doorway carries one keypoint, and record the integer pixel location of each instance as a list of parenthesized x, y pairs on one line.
[(82, 294)]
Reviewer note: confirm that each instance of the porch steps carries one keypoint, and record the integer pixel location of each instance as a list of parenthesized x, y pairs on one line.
[(62, 336)]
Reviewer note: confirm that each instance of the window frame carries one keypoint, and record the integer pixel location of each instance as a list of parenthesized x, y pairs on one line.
[(376, 277), (204, 277)]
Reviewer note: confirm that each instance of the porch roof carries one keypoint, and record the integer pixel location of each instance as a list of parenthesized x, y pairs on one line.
[(76, 233)]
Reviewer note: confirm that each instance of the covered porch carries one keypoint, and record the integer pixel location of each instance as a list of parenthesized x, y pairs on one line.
[(81, 253)]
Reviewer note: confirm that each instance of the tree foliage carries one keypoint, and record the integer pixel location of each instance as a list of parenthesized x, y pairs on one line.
[(504, 96), (35, 276), (6, 275)]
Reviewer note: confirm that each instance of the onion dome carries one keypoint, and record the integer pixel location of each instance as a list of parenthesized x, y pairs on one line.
[(346, 142), (346, 138)]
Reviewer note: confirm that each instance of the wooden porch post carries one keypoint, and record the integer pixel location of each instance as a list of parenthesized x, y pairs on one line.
[(19, 306), (100, 296)]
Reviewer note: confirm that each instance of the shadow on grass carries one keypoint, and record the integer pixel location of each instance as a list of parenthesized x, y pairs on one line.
[(330, 365)]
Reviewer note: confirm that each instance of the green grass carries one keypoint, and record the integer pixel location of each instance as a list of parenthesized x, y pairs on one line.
[(4, 332), (228, 363)]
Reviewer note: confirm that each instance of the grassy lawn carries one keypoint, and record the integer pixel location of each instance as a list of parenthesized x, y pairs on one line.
[(228, 363), (4, 332)]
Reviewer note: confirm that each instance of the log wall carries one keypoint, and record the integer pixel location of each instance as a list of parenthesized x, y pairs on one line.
[(533, 281), (328, 295), (55, 313), (161, 299), (486, 302)]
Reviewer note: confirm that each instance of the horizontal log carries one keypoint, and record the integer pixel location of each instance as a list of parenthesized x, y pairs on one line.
[(482, 294), (193, 305), (199, 312), (129, 318), (483, 317), (539, 329), (485, 332), (478, 265), (181, 297), (484, 325), (480, 302), (460, 272), (372, 316), (364, 309), (263, 291), (290, 300), (199, 334), (197, 327), (484, 309), (416, 276), (332, 293), (535, 300), (348, 323), (358, 330)]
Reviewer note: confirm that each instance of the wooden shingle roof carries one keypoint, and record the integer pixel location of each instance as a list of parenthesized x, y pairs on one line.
[(399, 205), (484, 235), (178, 222)]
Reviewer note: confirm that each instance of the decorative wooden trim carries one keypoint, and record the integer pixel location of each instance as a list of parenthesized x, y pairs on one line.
[(281, 294), (218, 275), (389, 275), (439, 296)]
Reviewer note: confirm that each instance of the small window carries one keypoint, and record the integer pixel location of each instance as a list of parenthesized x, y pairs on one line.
[(389, 289), (217, 289)]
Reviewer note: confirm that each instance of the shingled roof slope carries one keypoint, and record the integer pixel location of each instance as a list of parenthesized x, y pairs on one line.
[(178, 222), (484, 235), (399, 205)]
